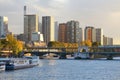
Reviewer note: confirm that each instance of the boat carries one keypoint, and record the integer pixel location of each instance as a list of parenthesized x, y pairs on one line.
[(82, 53), (2, 66), (3, 63), (21, 63)]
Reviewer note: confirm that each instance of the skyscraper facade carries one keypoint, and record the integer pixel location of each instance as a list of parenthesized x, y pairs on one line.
[(62, 32), (73, 32), (104, 40), (56, 31), (110, 41), (107, 40), (99, 35), (3, 26), (48, 28), (90, 34), (30, 25)]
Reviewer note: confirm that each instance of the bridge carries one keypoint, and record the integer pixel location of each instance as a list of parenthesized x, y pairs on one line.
[(94, 52), (62, 52), (101, 52), (107, 51)]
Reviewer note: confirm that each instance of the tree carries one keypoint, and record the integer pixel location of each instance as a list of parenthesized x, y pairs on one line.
[(2, 42), (14, 45), (52, 44), (86, 43), (95, 44)]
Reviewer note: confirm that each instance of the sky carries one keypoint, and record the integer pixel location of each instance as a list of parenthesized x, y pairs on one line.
[(103, 14)]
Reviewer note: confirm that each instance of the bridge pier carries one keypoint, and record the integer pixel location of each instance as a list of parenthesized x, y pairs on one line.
[(109, 57), (91, 56), (62, 56)]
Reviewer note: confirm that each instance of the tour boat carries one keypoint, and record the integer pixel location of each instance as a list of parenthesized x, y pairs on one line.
[(20, 63)]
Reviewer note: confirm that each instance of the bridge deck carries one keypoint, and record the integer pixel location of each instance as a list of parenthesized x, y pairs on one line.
[(106, 53)]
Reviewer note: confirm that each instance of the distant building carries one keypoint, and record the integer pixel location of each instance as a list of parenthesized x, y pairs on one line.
[(110, 41), (40, 27), (3, 26), (74, 32), (31, 23), (99, 35), (90, 34), (107, 41), (104, 40), (37, 37), (48, 29), (20, 37), (56, 31), (62, 32), (80, 35)]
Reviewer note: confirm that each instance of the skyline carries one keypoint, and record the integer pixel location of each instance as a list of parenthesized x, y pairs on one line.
[(103, 14)]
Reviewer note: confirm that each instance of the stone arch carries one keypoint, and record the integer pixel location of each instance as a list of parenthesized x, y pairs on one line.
[(83, 49)]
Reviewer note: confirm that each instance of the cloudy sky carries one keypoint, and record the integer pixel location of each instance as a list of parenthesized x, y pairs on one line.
[(97, 13)]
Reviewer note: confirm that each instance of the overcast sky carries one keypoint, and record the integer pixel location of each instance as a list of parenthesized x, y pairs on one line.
[(103, 14)]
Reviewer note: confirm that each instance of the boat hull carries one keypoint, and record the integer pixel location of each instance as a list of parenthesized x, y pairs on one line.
[(21, 63), (81, 55), (14, 67), (2, 67)]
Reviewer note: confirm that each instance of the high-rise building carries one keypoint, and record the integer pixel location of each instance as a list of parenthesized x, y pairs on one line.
[(30, 25), (104, 40), (107, 40), (56, 31), (110, 41), (3, 26), (48, 29), (99, 35), (40, 27), (25, 9), (90, 34), (81, 35), (62, 32), (74, 32)]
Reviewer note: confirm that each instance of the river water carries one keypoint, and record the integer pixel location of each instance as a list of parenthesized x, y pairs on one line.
[(67, 70)]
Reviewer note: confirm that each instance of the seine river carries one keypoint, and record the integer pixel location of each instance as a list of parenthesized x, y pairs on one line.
[(67, 70)]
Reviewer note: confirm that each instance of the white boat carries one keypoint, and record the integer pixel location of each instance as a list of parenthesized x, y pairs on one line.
[(2, 66), (34, 60), (82, 53), (3, 63), (20, 63)]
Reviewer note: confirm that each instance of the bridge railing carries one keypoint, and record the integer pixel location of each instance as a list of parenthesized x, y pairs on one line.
[(68, 50)]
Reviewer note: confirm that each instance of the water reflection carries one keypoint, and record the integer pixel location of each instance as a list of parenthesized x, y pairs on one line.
[(52, 62)]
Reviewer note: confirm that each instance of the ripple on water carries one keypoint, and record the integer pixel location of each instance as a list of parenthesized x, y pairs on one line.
[(67, 70)]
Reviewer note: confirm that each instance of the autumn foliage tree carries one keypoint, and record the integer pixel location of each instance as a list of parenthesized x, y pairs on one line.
[(55, 44), (86, 43), (14, 45)]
